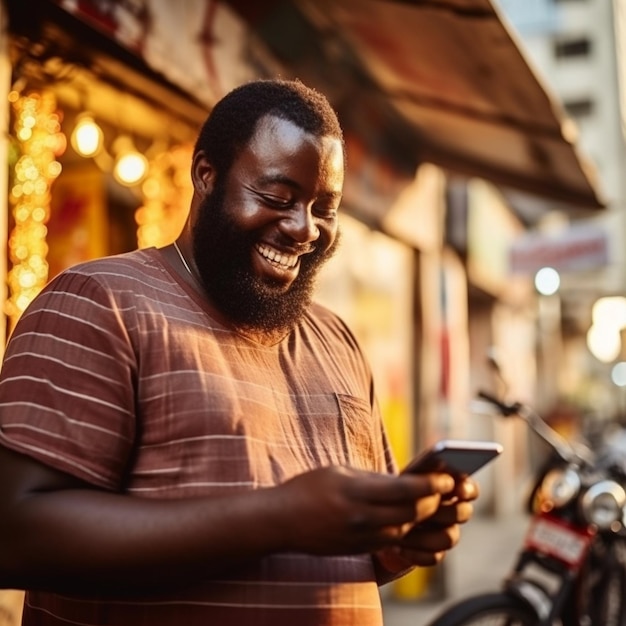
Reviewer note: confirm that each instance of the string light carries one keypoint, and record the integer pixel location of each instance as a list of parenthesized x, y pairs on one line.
[(166, 194), (87, 136), (37, 128), (130, 165), (165, 187), (130, 168)]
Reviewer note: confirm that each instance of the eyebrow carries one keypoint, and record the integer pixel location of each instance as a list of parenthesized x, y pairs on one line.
[(281, 179)]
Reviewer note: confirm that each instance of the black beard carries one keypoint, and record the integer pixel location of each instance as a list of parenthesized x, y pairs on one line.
[(222, 255)]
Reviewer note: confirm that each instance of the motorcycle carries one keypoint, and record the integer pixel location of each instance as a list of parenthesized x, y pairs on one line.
[(571, 570)]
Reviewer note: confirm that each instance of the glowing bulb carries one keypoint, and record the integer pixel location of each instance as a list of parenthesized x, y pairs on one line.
[(618, 374), (130, 168), (603, 342), (609, 310), (87, 136), (547, 281)]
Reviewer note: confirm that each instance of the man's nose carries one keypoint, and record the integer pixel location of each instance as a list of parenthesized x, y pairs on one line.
[(301, 225)]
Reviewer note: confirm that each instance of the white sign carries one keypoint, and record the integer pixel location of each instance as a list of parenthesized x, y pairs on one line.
[(576, 249)]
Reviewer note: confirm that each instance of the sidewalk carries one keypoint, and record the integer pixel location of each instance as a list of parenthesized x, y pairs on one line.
[(483, 557)]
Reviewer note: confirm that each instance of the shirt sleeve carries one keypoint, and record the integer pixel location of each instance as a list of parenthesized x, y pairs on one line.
[(67, 381)]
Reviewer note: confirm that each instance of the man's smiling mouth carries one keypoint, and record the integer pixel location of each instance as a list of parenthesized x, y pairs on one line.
[(276, 258)]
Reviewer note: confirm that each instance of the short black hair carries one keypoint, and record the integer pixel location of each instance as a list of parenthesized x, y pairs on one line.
[(232, 121)]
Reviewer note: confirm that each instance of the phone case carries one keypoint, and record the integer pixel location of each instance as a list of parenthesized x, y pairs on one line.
[(458, 457)]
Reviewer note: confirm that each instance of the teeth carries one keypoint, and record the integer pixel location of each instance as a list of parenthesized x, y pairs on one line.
[(283, 260)]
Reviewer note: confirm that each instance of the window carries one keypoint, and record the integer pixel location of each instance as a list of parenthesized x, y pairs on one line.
[(579, 108), (565, 48)]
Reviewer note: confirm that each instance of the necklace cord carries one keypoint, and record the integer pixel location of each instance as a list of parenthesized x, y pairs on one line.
[(182, 258)]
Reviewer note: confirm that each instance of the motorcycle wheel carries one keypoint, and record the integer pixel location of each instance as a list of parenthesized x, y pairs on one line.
[(606, 604), (491, 609)]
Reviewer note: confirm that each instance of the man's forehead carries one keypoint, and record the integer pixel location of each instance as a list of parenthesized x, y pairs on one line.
[(277, 138), (275, 124), (277, 127)]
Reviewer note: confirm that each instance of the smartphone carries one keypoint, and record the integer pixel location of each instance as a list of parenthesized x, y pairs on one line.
[(458, 457)]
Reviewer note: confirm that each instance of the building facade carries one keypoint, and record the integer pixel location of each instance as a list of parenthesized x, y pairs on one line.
[(577, 48)]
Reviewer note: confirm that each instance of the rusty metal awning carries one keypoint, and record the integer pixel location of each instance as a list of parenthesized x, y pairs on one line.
[(439, 81), (453, 73)]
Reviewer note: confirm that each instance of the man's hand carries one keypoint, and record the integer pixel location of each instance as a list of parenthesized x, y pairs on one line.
[(341, 510), (426, 542)]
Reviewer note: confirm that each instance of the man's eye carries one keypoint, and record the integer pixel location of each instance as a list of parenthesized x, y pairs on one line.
[(327, 213), (274, 201)]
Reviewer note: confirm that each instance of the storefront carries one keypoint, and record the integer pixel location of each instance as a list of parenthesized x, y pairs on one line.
[(139, 77)]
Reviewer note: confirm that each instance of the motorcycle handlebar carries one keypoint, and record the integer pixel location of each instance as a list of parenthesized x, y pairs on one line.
[(505, 409), (560, 445)]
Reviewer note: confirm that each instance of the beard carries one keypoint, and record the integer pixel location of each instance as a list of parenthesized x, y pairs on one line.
[(222, 255)]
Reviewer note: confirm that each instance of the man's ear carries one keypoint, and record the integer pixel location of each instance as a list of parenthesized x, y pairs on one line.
[(202, 174)]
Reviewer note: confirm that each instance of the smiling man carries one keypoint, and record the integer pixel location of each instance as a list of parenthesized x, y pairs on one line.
[(261, 232), (186, 437)]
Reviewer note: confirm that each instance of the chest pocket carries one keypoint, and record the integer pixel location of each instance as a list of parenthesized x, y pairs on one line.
[(361, 437)]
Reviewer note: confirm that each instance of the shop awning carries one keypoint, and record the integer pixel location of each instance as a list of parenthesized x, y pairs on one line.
[(453, 73), (415, 81)]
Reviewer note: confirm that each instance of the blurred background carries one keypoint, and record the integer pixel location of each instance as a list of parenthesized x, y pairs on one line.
[(484, 208)]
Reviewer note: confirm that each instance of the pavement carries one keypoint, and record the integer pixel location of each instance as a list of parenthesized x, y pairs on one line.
[(479, 563)]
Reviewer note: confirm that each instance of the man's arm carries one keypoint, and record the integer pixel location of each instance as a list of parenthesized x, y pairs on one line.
[(59, 533)]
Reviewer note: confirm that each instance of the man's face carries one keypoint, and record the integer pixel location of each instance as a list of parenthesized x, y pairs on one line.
[(265, 230)]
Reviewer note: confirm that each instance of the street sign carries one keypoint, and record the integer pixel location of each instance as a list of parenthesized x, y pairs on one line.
[(573, 250)]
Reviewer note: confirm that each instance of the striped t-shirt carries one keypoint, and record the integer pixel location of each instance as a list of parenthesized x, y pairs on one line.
[(119, 375)]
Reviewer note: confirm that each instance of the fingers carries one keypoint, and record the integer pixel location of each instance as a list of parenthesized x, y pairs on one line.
[(396, 559), (407, 500), (448, 514), (435, 525), (446, 507), (393, 521), (465, 489), (431, 539), (401, 500), (422, 547), (419, 558), (344, 510), (390, 489)]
